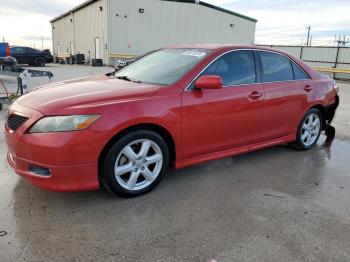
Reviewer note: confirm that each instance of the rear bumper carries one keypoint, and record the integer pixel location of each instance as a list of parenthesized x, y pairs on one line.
[(330, 111), (49, 59), (62, 178)]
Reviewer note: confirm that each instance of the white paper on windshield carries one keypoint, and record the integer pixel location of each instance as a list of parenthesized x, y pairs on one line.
[(194, 53)]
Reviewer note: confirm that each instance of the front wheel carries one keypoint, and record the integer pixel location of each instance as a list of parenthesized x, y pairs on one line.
[(309, 130), (135, 164)]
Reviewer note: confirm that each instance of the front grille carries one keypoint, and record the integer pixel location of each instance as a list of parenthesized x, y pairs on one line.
[(15, 121)]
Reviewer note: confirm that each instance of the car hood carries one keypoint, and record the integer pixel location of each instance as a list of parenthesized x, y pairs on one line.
[(60, 97)]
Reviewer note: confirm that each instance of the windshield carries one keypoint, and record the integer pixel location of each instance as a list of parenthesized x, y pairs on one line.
[(163, 67)]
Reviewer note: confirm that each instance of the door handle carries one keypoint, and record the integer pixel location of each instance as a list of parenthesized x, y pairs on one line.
[(255, 95), (308, 88)]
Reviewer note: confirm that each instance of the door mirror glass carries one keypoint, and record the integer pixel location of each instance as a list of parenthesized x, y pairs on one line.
[(208, 82)]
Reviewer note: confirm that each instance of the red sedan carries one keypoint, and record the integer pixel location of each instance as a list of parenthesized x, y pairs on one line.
[(177, 106)]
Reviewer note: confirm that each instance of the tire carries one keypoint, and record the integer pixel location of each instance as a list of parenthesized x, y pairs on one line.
[(140, 170), (309, 130), (39, 61)]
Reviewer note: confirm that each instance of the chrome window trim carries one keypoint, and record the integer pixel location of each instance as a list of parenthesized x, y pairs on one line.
[(247, 49)]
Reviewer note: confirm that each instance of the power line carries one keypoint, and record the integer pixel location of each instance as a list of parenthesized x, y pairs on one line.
[(341, 40)]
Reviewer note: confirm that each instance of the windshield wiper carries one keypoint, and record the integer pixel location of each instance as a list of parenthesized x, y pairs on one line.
[(128, 79)]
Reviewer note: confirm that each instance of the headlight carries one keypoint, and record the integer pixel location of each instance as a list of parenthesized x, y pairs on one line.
[(63, 123)]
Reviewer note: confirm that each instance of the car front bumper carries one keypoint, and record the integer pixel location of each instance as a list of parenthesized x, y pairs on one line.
[(61, 178), (70, 159)]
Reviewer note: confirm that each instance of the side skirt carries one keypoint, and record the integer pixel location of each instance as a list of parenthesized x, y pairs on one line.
[(233, 151)]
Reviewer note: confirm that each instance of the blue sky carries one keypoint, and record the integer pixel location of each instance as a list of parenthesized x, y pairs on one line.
[(279, 21)]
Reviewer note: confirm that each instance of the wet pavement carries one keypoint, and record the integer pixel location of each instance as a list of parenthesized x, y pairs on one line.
[(277, 204)]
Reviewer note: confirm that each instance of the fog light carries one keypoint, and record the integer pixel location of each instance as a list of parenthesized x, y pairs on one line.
[(40, 171)]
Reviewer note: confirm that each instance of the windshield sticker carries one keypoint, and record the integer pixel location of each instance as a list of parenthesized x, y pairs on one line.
[(194, 53)]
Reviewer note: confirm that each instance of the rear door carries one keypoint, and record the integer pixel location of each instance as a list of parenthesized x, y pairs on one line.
[(215, 120), (286, 89)]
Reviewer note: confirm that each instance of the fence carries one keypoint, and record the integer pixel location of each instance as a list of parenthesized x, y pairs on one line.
[(321, 56)]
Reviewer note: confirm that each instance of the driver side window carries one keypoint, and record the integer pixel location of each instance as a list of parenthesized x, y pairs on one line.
[(235, 68)]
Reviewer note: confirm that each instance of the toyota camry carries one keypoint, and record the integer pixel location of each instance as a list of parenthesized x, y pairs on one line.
[(174, 107)]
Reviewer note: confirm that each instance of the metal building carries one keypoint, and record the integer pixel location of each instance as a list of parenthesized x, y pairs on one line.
[(110, 29)]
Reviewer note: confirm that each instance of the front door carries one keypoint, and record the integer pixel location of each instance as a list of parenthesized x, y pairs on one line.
[(215, 120)]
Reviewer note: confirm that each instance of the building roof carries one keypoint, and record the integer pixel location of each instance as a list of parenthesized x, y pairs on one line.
[(88, 2), (78, 7)]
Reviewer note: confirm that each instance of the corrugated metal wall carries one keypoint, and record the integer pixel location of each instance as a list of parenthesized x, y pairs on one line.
[(124, 30), (81, 28), (315, 56), (62, 35), (167, 23), (91, 23)]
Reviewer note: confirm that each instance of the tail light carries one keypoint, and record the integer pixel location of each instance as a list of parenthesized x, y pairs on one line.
[(336, 88), (8, 50)]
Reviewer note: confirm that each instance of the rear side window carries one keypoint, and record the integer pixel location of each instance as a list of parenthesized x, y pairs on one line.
[(299, 73), (235, 68), (31, 50), (18, 50), (275, 67)]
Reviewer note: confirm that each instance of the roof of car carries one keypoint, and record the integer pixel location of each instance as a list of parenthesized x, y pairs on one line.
[(21, 46), (227, 47), (221, 46)]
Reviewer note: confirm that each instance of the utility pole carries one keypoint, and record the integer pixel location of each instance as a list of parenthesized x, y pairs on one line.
[(308, 35), (42, 43)]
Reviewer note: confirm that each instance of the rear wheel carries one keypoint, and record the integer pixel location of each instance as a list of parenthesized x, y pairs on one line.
[(39, 61), (135, 164), (309, 130)]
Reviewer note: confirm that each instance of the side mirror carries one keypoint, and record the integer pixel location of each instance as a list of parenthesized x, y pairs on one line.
[(208, 82), (120, 64)]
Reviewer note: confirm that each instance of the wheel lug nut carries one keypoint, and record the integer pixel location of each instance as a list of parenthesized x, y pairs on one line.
[(143, 168), (136, 170), (133, 163)]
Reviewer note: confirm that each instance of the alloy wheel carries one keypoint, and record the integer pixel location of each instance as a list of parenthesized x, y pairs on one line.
[(310, 129), (138, 164)]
